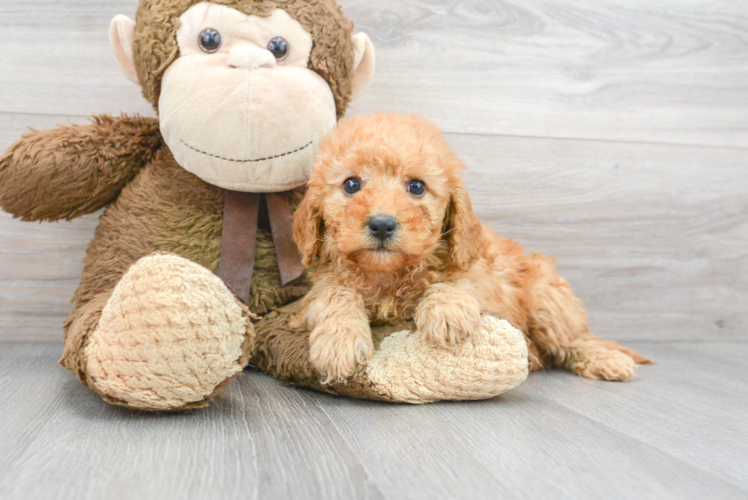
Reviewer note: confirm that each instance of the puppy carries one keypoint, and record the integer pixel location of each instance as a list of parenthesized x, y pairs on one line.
[(389, 229)]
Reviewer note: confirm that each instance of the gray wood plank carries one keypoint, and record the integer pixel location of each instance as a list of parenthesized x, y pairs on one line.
[(535, 446), (261, 440), (624, 70), (34, 309), (653, 238), (686, 406), (56, 59), (665, 71), (31, 392), (40, 264), (665, 435)]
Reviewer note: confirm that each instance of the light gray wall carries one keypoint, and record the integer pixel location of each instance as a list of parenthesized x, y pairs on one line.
[(612, 135)]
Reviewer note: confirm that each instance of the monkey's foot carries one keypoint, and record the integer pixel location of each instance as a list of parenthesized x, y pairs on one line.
[(493, 359), (169, 336)]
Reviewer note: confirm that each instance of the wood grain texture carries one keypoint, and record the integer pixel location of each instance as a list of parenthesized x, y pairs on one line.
[(623, 70), (56, 59), (40, 263), (677, 431), (695, 390), (650, 228), (664, 71), (652, 237), (259, 441)]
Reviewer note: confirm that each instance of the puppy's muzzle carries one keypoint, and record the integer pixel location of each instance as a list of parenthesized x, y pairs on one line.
[(382, 227)]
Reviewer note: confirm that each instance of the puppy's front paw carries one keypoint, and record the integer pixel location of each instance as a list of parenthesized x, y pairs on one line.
[(446, 321), (336, 350)]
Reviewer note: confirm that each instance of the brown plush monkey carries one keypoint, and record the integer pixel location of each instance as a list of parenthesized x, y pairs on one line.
[(244, 90)]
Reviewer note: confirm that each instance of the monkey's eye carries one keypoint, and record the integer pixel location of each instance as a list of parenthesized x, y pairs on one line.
[(416, 187), (352, 185), (209, 40), (279, 47)]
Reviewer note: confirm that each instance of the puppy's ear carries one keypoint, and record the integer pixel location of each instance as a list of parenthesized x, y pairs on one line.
[(463, 229), (307, 227)]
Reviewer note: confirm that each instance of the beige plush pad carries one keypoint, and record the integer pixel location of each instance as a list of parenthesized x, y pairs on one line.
[(404, 368)]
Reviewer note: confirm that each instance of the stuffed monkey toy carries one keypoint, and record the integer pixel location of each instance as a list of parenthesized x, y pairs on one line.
[(192, 273)]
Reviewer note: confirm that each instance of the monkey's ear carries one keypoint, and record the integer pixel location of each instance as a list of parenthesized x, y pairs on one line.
[(363, 63), (121, 35)]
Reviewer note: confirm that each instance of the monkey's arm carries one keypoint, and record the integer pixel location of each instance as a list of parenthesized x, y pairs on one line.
[(74, 170)]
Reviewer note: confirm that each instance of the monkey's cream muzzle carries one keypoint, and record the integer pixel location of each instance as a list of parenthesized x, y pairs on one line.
[(236, 114), (237, 117)]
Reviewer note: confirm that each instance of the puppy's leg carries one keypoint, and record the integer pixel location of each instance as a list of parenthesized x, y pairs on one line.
[(340, 340), (447, 313), (557, 323)]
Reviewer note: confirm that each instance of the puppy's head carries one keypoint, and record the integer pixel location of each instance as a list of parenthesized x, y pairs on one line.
[(384, 193)]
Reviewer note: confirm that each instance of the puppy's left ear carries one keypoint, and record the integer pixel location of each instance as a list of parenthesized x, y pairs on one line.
[(463, 229), (307, 227)]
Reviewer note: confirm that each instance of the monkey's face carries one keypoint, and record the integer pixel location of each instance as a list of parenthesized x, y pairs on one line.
[(239, 108)]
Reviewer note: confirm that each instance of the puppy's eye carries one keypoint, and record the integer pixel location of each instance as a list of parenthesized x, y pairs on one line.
[(352, 185), (279, 47), (209, 40), (416, 187)]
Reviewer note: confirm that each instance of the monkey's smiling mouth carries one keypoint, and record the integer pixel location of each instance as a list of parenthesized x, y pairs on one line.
[(251, 160)]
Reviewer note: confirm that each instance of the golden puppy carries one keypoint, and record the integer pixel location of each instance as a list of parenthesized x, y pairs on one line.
[(390, 231)]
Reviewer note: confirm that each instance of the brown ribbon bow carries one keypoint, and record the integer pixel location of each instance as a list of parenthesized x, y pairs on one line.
[(239, 238)]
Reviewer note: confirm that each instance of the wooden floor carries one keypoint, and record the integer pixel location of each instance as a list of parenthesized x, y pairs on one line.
[(611, 134), (679, 431)]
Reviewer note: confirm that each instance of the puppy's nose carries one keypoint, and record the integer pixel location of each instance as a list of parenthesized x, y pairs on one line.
[(382, 227)]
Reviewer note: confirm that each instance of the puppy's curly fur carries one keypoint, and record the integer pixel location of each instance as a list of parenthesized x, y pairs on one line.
[(437, 264)]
